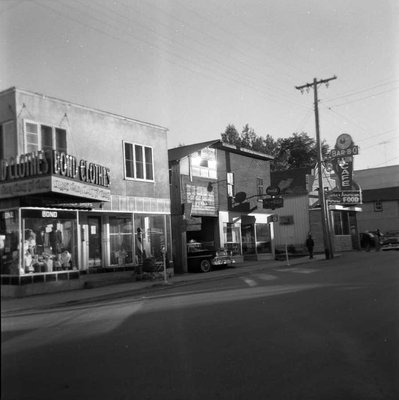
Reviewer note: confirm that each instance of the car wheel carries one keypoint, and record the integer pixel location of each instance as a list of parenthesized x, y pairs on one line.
[(205, 266)]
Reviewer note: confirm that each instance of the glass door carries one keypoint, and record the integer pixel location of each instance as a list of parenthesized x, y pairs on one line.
[(95, 240), (248, 239)]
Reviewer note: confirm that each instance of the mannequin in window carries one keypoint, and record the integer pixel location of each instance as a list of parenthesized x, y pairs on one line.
[(55, 240), (140, 252)]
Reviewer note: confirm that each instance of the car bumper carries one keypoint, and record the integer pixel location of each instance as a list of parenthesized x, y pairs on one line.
[(390, 247)]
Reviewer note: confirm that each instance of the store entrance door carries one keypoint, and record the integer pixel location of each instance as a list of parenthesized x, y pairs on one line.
[(95, 241)]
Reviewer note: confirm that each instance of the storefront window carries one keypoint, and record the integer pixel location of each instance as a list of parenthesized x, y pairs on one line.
[(151, 236), (232, 238), (9, 239), (341, 223), (49, 241), (121, 240), (263, 241)]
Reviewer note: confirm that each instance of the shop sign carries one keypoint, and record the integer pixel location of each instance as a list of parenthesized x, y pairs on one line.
[(342, 160), (344, 169), (351, 151), (55, 163), (79, 189), (25, 187), (48, 214), (345, 197), (272, 218), (203, 202), (40, 172), (272, 203), (352, 197), (24, 166), (273, 190)]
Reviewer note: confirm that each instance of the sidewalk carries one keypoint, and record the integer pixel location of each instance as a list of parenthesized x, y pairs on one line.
[(124, 283)]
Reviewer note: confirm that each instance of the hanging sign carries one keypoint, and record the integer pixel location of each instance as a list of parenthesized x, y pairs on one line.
[(342, 160)]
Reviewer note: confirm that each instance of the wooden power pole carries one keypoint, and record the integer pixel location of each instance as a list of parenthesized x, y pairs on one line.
[(328, 248)]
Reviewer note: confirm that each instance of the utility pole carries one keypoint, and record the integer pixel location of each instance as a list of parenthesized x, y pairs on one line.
[(328, 249)]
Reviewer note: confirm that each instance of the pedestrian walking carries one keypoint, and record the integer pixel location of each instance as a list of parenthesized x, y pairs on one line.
[(310, 245), (378, 236)]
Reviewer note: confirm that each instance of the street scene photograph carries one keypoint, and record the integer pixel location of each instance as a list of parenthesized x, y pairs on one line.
[(199, 200)]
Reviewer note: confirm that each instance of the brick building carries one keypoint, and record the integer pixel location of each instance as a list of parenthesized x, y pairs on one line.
[(216, 197)]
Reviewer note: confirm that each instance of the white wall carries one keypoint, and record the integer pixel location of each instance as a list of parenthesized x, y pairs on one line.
[(295, 234)]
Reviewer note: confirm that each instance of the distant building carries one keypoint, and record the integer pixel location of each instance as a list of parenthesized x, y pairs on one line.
[(81, 190), (380, 187), (301, 213), (216, 197)]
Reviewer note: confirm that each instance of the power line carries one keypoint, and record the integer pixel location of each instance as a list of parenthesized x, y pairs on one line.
[(207, 69), (353, 93)]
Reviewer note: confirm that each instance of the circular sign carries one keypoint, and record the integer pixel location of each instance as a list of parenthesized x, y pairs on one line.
[(343, 141), (273, 190), (240, 197)]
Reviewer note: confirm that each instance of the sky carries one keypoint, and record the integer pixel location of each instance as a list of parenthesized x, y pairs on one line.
[(195, 67)]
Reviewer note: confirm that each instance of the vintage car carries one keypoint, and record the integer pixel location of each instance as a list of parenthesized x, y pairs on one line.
[(203, 257), (367, 239), (390, 241)]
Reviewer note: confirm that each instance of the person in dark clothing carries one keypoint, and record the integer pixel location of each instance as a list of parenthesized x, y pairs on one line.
[(310, 245), (378, 236)]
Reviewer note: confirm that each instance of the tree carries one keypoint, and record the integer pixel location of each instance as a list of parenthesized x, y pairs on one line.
[(296, 151), (231, 135)]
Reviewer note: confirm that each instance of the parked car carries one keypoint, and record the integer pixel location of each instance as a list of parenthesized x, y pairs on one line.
[(390, 241), (204, 258), (367, 239)]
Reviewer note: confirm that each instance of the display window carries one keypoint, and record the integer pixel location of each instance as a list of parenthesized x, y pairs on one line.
[(9, 242), (121, 240), (49, 242), (263, 239), (151, 237), (232, 238)]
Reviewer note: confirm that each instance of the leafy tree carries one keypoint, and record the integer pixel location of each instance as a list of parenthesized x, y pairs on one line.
[(296, 151), (231, 136)]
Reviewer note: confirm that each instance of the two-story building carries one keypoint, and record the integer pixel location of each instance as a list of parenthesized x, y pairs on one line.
[(81, 190), (216, 197)]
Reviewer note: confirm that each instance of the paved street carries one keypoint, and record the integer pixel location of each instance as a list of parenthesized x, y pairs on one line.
[(310, 330)]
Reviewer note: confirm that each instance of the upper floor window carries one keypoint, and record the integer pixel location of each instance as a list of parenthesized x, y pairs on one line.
[(378, 206), (259, 185), (8, 140), (230, 184), (44, 137), (138, 162), (203, 163)]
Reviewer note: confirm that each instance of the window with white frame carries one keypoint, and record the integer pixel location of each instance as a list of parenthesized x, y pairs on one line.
[(138, 162), (230, 184), (259, 185), (44, 137)]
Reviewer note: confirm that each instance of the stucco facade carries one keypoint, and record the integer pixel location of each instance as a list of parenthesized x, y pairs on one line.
[(106, 174)]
